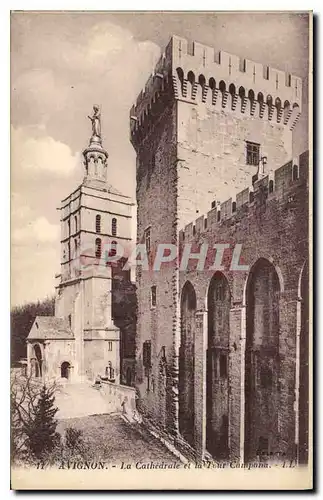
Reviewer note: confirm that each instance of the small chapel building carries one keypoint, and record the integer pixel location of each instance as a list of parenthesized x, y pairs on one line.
[(81, 341)]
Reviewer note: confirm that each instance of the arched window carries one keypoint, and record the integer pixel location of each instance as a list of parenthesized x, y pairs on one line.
[(98, 223), (114, 226), (271, 186), (98, 248), (75, 223)]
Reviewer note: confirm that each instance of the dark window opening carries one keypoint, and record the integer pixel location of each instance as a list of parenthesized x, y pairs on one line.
[(194, 230), (148, 239), (205, 223), (271, 186), (190, 48), (234, 206), (98, 248), (153, 297), (252, 153), (213, 204), (223, 365), (114, 226), (219, 216), (146, 354), (113, 249), (65, 370), (98, 223)]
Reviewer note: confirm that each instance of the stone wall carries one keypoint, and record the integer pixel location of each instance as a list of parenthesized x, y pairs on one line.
[(156, 197), (274, 227)]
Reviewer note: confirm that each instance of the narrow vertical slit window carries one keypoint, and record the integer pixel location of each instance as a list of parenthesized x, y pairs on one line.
[(153, 296), (98, 224), (114, 226)]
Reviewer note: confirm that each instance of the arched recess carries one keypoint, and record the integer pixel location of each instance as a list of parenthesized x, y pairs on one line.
[(232, 92), (287, 112), (212, 86), (217, 379), (303, 367), (201, 86), (65, 370), (260, 99), (180, 75), (190, 83), (262, 364), (186, 363)]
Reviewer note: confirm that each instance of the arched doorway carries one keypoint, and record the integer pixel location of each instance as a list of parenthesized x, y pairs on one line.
[(304, 369), (186, 364), (217, 381), (38, 362), (65, 370), (262, 361)]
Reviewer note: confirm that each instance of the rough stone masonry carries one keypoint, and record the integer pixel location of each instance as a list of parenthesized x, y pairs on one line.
[(222, 357)]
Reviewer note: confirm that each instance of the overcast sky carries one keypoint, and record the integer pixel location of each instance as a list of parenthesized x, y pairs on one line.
[(63, 63)]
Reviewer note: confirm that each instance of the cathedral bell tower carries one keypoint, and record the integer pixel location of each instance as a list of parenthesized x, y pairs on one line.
[(95, 156)]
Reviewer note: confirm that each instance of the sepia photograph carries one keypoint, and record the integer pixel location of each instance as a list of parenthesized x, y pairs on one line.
[(161, 250)]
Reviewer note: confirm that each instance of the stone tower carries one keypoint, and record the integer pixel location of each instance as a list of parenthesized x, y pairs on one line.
[(94, 219), (204, 126)]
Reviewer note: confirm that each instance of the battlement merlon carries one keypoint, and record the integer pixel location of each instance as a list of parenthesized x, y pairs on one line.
[(280, 185), (186, 66)]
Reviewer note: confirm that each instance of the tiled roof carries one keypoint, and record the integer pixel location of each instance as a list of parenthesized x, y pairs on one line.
[(50, 327)]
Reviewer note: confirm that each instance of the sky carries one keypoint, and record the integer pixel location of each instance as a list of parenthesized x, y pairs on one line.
[(64, 62)]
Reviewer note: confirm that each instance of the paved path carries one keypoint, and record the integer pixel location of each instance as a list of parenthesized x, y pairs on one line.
[(109, 438)]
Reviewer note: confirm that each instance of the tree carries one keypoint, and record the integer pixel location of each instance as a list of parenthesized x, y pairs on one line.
[(22, 318), (33, 423), (41, 431)]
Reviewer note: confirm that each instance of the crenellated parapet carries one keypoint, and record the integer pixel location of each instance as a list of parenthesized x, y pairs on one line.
[(276, 187), (197, 73)]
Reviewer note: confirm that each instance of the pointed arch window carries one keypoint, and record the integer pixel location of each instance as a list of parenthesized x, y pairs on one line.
[(114, 226), (98, 223)]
